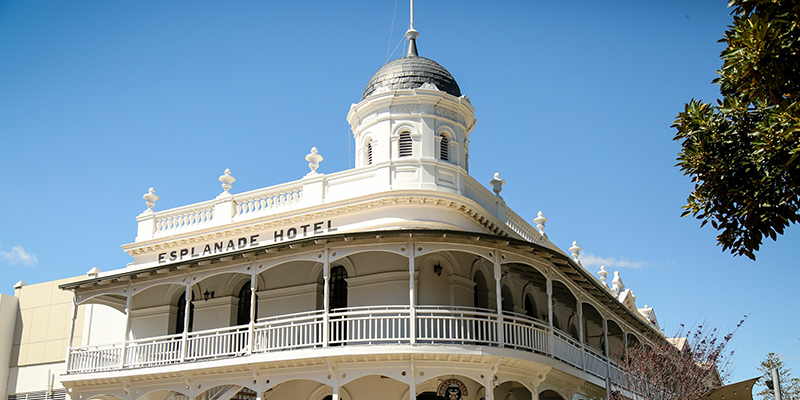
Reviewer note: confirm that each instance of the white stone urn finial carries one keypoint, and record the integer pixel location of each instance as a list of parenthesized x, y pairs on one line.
[(227, 179), (575, 250), (497, 184), (313, 159), (603, 274), (617, 284), (540, 221), (150, 198)]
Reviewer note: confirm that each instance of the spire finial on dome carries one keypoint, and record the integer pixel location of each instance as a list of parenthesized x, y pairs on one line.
[(412, 35)]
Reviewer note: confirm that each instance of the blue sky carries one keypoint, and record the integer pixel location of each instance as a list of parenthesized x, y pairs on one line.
[(101, 100)]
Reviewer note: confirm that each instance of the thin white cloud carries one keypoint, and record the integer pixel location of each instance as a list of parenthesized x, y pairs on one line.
[(591, 260), (18, 255)]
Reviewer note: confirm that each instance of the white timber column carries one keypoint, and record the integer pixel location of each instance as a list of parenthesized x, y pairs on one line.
[(581, 331), (326, 298), (550, 312), (412, 381), (252, 325), (335, 395), (489, 385), (187, 295), (127, 328), (499, 295), (625, 342), (608, 358), (412, 297), (72, 330), (549, 300)]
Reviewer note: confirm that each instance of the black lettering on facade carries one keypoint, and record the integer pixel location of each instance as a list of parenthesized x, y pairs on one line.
[(291, 233), (173, 255), (242, 242), (207, 249), (279, 234), (161, 258), (305, 229), (230, 246), (318, 227), (329, 227), (253, 240), (194, 254), (184, 252), (218, 247)]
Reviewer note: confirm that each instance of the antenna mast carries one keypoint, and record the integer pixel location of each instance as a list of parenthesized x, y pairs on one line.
[(412, 35), (411, 27)]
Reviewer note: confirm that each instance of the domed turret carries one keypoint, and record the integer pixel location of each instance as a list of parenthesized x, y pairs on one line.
[(412, 72), (413, 122)]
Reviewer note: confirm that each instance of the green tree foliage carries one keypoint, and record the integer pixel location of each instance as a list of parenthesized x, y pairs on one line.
[(790, 387), (742, 154)]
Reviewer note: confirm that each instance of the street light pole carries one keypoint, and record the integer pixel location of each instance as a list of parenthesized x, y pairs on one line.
[(776, 383)]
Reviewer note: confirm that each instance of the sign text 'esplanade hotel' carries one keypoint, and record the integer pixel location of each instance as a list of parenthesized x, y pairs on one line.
[(244, 242)]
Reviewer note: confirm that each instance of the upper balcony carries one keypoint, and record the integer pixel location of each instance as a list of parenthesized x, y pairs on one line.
[(385, 325), (377, 292)]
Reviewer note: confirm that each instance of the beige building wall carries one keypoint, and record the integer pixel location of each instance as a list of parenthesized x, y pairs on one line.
[(8, 318), (40, 326), (43, 324), (41, 335)]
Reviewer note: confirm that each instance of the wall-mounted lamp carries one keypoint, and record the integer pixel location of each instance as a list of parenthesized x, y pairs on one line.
[(208, 295), (437, 269)]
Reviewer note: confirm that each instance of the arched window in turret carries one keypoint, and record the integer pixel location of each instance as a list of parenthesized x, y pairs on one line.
[(369, 152), (405, 144), (338, 294), (243, 309), (444, 149), (181, 313)]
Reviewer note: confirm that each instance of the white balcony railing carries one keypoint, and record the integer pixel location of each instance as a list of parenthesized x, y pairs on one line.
[(150, 352), (294, 196), (460, 325), (349, 326), (293, 331)]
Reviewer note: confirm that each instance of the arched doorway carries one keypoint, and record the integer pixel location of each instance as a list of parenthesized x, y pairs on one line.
[(481, 294), (243, 306), (338, 287), (180, 313)]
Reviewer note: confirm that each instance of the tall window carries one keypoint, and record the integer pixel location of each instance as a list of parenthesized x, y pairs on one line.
[(530, 307), (507, 298), (444, 149), (480, 297), (369, 153), (180, 315), (243, 309), (338, 294), (405, 144)]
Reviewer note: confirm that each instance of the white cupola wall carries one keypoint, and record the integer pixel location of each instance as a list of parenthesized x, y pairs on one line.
[(420, 134)]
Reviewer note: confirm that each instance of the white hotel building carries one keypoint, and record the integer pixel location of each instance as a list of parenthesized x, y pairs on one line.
[(401, 278)]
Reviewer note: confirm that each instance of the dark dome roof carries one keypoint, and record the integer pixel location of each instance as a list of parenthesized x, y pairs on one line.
[(412, 72)]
